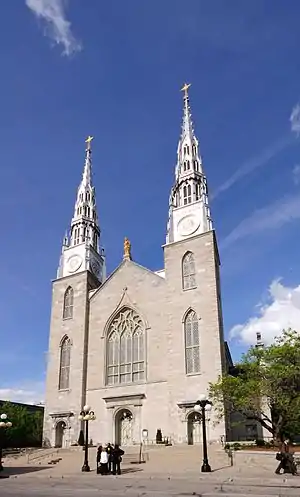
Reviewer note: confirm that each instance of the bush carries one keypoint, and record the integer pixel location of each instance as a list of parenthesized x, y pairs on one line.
[(236, 446), (260, 443)]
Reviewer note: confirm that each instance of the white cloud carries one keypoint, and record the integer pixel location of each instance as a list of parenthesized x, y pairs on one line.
[(296, 174), (295, 119), (281, 312), (30, 393), (271, 217), (58, 28), (255, 162)]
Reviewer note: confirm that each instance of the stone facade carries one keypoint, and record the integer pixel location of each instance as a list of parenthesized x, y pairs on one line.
[(165, 398)]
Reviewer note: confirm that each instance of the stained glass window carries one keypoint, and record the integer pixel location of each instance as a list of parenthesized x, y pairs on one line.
[(64, 368), (125, 349), (188, 271), (192, 343), (68, 303)]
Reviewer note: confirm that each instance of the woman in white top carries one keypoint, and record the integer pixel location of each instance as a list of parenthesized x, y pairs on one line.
[(104, 462)]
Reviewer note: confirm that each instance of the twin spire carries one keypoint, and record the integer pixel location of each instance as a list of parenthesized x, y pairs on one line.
[(87, 172), (189, 192), (189, 213), (187, 124)]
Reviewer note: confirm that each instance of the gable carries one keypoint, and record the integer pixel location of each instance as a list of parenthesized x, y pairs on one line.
[(127, 275)]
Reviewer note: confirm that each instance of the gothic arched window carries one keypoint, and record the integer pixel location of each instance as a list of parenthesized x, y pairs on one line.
[(188, 271), (125, 349), (64, 366), (68, 303), (192, 343)]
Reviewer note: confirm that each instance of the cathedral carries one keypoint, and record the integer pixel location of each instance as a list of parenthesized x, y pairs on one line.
[(138, 346)]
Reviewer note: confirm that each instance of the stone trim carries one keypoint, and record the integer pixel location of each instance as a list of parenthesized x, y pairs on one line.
[(63, 414), (124, 400), (186, 404)]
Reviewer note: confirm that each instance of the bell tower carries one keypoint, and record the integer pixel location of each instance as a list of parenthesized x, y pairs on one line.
[(189, 213), (81, 246)]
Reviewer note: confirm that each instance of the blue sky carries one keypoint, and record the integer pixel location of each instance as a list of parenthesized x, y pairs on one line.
[(114, 70)]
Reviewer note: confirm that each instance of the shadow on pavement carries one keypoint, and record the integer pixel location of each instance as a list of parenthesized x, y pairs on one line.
[(227, 466), (22, 470), (125, 471)]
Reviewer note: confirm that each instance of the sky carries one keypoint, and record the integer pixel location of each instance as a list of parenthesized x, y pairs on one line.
[(114, 70)]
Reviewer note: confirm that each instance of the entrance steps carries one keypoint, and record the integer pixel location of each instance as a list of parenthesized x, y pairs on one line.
[(154, 458)]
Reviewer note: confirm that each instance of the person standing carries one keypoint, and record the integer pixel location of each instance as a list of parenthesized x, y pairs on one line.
[(104, 461), (109, 452), (117, 454), (99, 450), (287, 462)]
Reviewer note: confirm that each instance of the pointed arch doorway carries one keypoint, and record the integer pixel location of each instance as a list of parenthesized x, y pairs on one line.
[(124, 428), (194, 428), (60, 434)]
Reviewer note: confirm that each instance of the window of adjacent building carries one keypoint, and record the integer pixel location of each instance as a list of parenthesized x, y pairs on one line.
[(197, 191), (64, 367), (188, 271), (125, 349), (194, 148), (192, 343), (68, 303)]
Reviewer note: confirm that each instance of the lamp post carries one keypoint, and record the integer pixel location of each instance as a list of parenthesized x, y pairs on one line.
[(4, 423), (202, 406), (86, 415)]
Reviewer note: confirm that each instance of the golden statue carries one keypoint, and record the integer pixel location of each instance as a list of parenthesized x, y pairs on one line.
[(127, 249)]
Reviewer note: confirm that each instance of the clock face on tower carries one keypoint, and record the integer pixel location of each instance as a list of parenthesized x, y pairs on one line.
[(188, 225), (74, 262)]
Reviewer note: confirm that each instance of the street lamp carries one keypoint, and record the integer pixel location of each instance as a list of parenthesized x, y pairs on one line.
[(86, 415), (202, 406), (4, 423)]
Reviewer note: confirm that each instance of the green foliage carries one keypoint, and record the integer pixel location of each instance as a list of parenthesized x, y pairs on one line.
[(266, 387), (27, 427), (260, 443)]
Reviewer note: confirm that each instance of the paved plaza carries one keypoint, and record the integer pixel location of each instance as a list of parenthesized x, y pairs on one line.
[(173, 471)]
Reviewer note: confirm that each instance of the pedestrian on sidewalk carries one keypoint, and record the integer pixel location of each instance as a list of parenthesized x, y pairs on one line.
[(104, 462), (99, 450), (109, 452), (286, 458), (117, 454)]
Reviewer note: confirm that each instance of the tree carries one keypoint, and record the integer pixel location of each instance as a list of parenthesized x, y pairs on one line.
[(265, 387), (27, 427)]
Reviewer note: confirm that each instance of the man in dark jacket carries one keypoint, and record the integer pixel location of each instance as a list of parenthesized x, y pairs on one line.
[(117, 454), (109, 452)]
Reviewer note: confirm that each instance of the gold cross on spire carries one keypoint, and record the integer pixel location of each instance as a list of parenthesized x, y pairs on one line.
[(185, 88), (88, 141)]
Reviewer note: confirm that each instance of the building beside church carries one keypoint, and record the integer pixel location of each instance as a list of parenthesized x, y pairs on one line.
[(138, 346)]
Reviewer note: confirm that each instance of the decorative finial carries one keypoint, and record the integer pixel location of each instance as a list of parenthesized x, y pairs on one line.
[(185, 88), (127, 249), (88, 141)]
